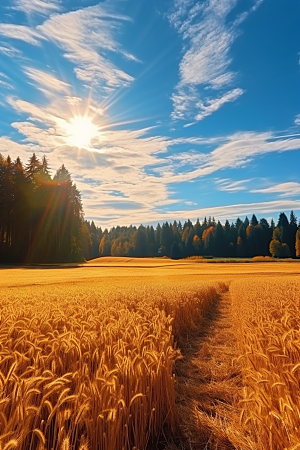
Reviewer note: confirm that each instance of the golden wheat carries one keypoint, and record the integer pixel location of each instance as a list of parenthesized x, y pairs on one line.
[(267, 316), (92, 370)]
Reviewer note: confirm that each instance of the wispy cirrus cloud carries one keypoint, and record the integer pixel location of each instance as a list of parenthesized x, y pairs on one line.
[(5, 81), (21, 32), (238, 210), (289, 189), (9, 50), (37, 6), (83, 35), (213, 105), (205, 65), (110, 218), (227, 185), (86, 36), (114, 159), (117, 160), (235, 151), (297, 119), (3, 75), (5, 84), (46, 82)]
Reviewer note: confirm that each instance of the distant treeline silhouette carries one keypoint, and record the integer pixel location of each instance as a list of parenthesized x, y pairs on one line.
[(41, 220), (209, 238)]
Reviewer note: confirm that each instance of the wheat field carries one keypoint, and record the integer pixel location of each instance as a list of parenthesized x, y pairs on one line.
[(88, 354), (88, 369), (268, 328)]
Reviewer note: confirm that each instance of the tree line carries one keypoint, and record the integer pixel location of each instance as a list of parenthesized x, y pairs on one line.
[(41, 217), (41, 220), (244, 238)]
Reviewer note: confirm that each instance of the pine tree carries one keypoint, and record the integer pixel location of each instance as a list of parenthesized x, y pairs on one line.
[(40, 219), (292, 230), (33, 168), (254, 220), (297, 243)]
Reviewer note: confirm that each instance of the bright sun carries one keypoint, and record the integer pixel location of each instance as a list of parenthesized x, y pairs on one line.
[(81, 130)]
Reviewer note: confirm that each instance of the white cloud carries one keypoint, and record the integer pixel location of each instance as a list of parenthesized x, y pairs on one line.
[(109, 217), (86, 36), (83, 35), (184, 101), (181, 8), (191, 203), (205, 64), (97, 110), (297, 119), (116, 159), (15, 149), (199, 140), (3, 75), (231, 186), (257, 4), (74, 101), (289, 189), (35, 111), (238, 210), (222, 80), (5, 84), (46, 82), (46, 139), (9, 50), (207, 59), (37, 6), (237, 150), (213, 105), (21, 32)]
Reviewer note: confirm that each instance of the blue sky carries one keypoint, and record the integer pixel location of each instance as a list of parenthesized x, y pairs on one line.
[(161, 109)]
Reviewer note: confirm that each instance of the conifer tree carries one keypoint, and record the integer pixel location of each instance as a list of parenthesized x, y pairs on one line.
[(41, 218), (297, 243), (292, 230)]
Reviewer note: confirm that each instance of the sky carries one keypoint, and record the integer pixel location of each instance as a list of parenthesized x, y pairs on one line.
[(159, 109)]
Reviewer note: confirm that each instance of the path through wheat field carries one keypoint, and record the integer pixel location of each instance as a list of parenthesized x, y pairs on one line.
[(209, 380), (148, 354)]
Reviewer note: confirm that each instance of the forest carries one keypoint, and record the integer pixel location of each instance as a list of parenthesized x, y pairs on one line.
[(41, 220), (41, 217), (208, 238)]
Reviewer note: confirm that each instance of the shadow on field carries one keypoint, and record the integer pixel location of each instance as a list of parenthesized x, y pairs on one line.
[(89, 266), (42, 266)]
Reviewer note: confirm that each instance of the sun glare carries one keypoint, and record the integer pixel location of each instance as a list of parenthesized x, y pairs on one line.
[(81, 130)]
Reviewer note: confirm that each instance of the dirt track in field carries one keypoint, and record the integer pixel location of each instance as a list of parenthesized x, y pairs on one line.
[(209, 381)]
